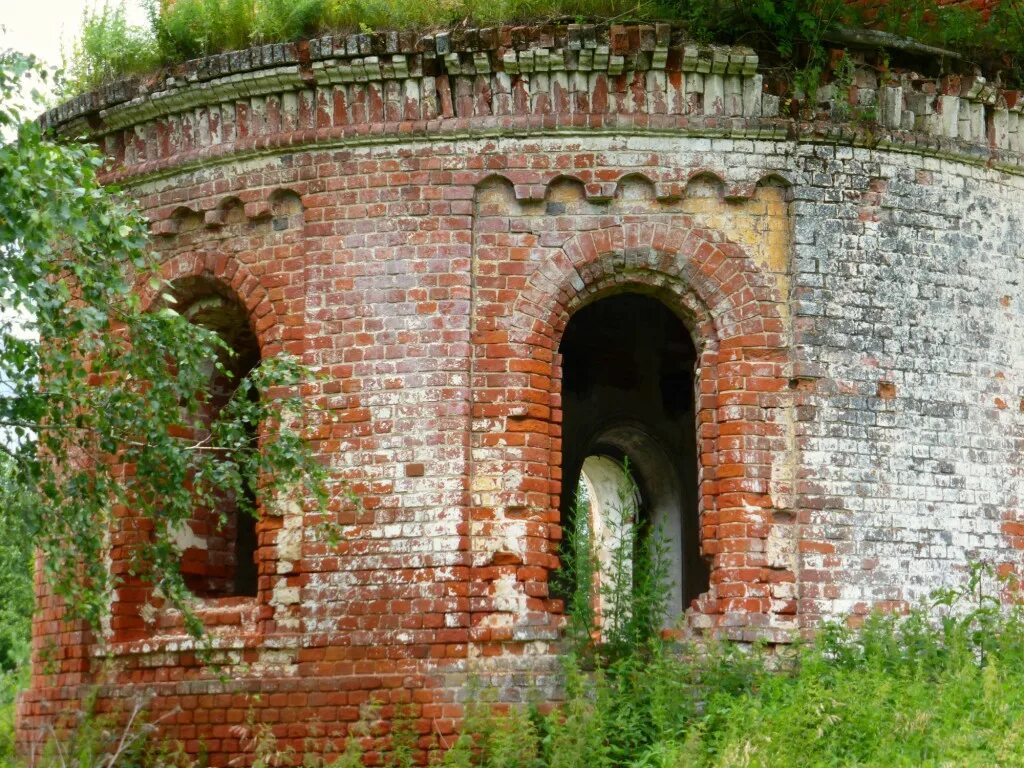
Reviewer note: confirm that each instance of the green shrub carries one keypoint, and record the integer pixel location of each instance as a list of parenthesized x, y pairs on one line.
[(901, 691), (187, 29), (16, 600), (15, 574), (287, 19), (11, 682), (108, 47), (941, 686)]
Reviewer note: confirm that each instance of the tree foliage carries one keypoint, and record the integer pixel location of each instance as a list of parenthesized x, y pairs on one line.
[(101, 398), (15, 573), (15, 602)]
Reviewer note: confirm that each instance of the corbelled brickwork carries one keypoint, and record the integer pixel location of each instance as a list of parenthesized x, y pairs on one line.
[(420, 219)]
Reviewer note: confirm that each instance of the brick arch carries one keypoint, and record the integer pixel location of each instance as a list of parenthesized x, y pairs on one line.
[(715, 274), (231, 273), (732, 310), (238, 284)]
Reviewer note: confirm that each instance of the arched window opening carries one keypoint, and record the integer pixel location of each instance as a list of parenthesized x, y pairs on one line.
[(628, 398), (219, 544)]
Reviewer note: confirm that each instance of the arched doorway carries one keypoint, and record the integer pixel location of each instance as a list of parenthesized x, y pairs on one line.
[(628, 388)]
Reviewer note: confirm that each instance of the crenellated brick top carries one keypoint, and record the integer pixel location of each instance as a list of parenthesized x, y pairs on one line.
[(389, 85)]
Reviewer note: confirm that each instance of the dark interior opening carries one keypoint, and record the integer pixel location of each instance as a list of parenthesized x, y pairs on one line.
[(628, 391), (219, 555)]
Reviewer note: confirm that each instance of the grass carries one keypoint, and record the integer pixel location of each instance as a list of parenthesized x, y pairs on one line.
[(791, 32), (109, 47)]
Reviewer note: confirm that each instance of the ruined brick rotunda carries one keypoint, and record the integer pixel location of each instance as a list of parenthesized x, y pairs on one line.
[(522, 256)]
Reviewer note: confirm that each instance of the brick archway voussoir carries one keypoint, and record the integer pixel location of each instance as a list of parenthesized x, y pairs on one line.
[(729, 306), (234, 275)]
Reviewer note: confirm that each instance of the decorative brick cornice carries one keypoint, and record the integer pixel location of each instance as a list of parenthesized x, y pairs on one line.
[(558, 77)]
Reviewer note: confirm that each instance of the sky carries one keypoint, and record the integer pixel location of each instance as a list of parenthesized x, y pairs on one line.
[(39, 26)]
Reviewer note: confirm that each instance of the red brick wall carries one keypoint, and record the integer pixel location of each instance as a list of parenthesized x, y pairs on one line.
[(403, 280), (418, 220)]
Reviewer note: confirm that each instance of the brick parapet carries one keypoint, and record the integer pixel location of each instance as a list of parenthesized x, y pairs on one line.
[(382, 86)]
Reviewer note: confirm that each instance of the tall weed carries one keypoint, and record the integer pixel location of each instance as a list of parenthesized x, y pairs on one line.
[(943, 685), (11, 682), (108, 47), (791, 32), (614, 574), (187, 29), (184, 29), (287, 19), (87, 738), (16, 601)]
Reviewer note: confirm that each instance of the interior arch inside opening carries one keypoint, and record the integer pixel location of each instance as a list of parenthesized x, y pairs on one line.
[(628, 396)]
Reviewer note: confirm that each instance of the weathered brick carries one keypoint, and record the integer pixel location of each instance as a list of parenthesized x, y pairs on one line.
[(423, 237)]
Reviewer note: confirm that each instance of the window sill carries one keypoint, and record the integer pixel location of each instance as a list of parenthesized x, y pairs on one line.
[(231, 623)]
